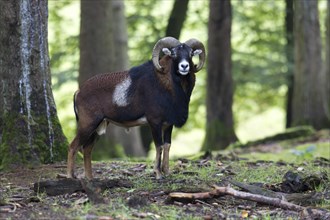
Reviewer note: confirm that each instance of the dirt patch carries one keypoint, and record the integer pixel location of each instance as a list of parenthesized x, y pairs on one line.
[(148, 198)]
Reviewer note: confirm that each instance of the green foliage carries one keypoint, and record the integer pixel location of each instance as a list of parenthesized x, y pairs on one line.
[(146, 24), (259, 65), (258, 53), (63, 41)]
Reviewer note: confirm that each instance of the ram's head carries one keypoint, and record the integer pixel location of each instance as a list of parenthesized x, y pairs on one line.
[(181, 54)]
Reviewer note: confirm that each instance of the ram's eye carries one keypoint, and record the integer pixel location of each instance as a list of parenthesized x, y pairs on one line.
[(173, 54)]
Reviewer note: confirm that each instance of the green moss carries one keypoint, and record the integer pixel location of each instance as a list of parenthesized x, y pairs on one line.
[(14, 140), (218, 136), (290, 134), (17, 148)]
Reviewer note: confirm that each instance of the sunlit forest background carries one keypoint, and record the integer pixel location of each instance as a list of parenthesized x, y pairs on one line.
[(257, 140), (258, 54)]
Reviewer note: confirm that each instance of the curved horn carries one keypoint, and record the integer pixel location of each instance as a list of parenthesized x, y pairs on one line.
[(162, 43), (196, 44)]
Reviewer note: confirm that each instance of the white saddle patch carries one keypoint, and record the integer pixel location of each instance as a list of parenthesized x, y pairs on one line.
[(120, 94)]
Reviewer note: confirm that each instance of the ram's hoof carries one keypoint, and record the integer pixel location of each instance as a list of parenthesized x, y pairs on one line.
[(158, 174)]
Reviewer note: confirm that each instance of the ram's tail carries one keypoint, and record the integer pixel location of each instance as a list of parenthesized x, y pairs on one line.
[(75, 106)]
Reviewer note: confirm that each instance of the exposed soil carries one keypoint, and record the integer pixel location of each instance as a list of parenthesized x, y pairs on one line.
[(146, 197)]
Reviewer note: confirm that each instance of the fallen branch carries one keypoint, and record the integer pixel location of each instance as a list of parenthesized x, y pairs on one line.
[(221, 191), (276, 202), (63, 186), (191, 196), (308, 198), (93, 192), (257, 190)]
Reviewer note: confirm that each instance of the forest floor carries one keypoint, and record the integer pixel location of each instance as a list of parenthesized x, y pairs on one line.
[(304, 181)]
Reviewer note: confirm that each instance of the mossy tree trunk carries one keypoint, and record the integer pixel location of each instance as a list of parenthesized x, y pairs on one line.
[(30, 132), (219, 125), (309, 81)]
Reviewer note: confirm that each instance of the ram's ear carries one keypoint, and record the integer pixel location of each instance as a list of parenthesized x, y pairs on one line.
[(166, 51), (196, 52)]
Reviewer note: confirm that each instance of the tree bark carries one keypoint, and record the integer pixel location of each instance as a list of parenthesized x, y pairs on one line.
[(30, 132), (64, 186), (327, 63), (309, 82), (289, 17), (177, 18), (220, 125), (96, 45)]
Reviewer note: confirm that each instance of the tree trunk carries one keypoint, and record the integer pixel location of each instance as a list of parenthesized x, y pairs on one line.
[(131, 141), (177, 18), (96, 45), (327, 63), (289, 17), (219, 126), (30, 132), (309, 86), (101, 51)]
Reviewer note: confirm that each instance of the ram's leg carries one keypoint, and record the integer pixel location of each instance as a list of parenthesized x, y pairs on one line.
[(87, 150), (158, 162), (166, 148), (165, 164), (85, 136), (88, 161), (73, 148), (156, 131)]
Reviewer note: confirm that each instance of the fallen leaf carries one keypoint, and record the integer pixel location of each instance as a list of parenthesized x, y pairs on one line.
[(245, 214)]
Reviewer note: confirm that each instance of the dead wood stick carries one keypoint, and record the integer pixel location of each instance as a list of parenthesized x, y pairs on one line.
[(93, 193), (218, 191), (309, 213), (257, 190), (63, 186), (258, 198), (191, 196)]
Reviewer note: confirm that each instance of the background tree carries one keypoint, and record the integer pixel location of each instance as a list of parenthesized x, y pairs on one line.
[(30, 132), (327, 62), (219, 125), (308, 98), (177, 18), (103, 48), (289, 17)]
